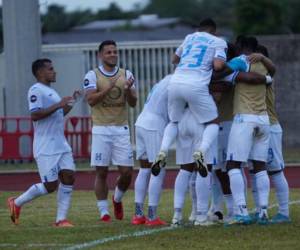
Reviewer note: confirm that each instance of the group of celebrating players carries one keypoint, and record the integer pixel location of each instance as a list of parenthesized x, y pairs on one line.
[(218, 106)]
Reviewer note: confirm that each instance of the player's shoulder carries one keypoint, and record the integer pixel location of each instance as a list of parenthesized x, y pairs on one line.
[(219, 42), (36, 87)]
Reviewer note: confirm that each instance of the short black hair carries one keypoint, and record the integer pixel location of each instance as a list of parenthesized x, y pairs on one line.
[(207, 23), (262, 49), (231, 51), (249, 42), (38, 64), (106, 42)]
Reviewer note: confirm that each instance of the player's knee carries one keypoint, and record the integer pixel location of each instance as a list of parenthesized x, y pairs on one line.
[(233, 165), (67, 177), (51, 186), (101, 173)]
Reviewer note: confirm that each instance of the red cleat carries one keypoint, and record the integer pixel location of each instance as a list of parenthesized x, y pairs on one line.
[(63, 223), (106, 218), (156, 222), (138, 220), (118, 209), (14, 210)]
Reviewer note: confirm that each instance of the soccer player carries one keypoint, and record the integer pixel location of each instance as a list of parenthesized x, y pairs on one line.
[(109, 90), (50, 147), (196, 58), (149, 129), (275, 162), (249, 139)]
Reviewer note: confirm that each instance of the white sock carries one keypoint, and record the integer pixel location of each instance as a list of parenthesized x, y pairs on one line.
[(64, 195), (118, 195), (181, 187), (155, 187), (237, 187), (245, 182), (282, 192), (263, 188), (210, 133), (102, 207), (217, 193), (203, 190), (169, 137), (141, 184), (192, 189), (31, 193), (229, 204), (254, 192)]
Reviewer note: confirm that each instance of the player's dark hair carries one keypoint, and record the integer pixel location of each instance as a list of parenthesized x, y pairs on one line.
[(231, 51), (207, 23), (262, 49), (105, 43), (38, 64), (249, 43)]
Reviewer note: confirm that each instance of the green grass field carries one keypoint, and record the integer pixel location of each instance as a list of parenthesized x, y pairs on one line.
[(35, 230)]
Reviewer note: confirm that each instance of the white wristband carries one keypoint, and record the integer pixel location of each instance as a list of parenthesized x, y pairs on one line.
[(269, 79)]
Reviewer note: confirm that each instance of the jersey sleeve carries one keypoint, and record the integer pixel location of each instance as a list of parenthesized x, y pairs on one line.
[(90, 81), (231, 78), (128, 76), (35, 99), (220, 50)]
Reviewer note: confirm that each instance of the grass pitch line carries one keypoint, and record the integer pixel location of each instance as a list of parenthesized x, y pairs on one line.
[(140, 233)]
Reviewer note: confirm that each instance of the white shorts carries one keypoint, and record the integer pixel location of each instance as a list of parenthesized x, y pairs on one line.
[(249, 138), (198, 99), (224, 131), (147, 143), (115, 149), (275, 159), (50, 165), (211, 157)]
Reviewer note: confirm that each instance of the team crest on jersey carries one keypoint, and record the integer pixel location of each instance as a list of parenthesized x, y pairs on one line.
[(86, 82), (33, 98), (115, 93)]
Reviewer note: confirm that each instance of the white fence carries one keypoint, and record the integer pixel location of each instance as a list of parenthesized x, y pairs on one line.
[(149, 61)]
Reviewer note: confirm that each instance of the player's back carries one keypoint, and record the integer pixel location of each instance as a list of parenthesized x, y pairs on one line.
[(155, 111), (197, 53)]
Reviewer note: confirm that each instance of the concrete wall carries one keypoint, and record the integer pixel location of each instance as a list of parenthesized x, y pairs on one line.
[(285, 52)]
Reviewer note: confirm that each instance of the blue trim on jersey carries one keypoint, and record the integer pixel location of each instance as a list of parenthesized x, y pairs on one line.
[(45, 179), (91, 87), (221, 57)]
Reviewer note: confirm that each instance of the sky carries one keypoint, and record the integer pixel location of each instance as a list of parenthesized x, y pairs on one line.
[(92, 4)]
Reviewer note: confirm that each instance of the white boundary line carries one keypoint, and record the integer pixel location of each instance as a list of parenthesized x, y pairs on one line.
[(138, 234), (108, 239)]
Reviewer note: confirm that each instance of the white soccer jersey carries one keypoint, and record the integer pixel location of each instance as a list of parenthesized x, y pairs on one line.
[(49, 135), (197, 53), (155, 112)]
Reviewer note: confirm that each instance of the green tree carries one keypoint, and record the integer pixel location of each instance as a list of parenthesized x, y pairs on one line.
[(258, 17), (56, 19)]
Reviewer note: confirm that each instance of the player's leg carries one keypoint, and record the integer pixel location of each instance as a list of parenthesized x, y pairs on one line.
[(275, 167), (180, 190), (240, 134), (65, 189), (142, 179), (122, 156), (48, 171), (258, 155), (192, 189), (100, 160)]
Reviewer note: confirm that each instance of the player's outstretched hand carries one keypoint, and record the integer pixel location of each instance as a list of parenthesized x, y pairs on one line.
[(65, 101)]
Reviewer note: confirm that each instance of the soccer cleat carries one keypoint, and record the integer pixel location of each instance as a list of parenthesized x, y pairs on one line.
[(118, 209), (155, 222), (159, 163), (201, 165), (176, 222), (203, 220), (138, 220), (14, 210), (254, 216), (63, 223), (216, 217), (279, 219), (239, 220), (263, 219), (106, 218)]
